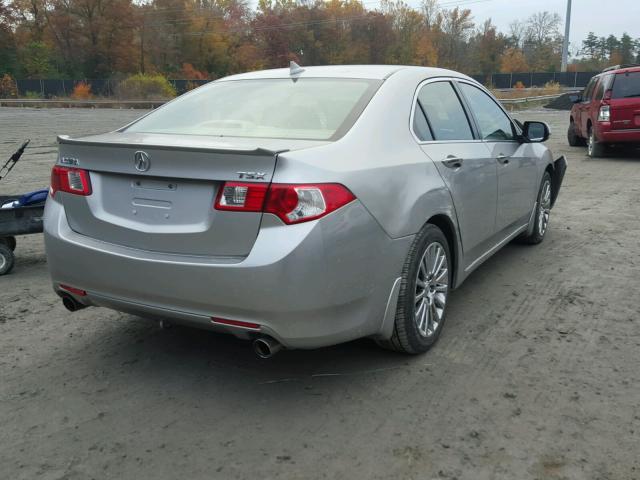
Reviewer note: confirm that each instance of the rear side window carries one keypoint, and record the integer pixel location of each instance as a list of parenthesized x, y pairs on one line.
[(444, 112), (626, 85), (586, 97), (493, 123), (420, 125), (599, 91)]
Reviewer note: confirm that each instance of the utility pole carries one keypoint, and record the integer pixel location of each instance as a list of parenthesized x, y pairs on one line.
[(142, 41), (565, 45)]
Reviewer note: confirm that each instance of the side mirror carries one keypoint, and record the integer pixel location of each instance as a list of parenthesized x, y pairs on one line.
[(575, 97), (536, 131)]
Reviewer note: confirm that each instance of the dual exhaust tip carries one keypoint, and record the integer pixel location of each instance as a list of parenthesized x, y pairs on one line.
[(71, 303), (264, 347)]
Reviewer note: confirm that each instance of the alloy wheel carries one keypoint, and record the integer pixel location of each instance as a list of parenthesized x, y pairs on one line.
[(545, 207), (432, 288)]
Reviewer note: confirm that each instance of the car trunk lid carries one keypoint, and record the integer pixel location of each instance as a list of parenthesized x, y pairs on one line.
[(156, 192)]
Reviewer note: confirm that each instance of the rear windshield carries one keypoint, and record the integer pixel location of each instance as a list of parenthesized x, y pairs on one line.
[(626, 85), (307, 108)]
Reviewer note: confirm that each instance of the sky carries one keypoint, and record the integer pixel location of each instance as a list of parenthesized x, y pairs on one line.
[(603, 17)]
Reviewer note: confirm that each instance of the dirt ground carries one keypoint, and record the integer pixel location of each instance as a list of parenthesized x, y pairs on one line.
[(536, 375)]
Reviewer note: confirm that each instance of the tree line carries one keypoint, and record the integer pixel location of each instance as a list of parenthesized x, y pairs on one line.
[(199, 39)]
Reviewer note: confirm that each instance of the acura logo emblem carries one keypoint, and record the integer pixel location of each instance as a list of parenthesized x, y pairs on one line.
[(141, 161)]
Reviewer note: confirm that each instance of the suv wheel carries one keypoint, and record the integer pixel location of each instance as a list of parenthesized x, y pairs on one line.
[(424, 291), (573, 138), (595, 149)]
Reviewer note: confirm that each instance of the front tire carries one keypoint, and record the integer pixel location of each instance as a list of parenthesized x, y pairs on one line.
[(573, 138), (424, 291)]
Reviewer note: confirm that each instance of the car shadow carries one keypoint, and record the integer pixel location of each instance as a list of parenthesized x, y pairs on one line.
[(139, 344), (620, 152)]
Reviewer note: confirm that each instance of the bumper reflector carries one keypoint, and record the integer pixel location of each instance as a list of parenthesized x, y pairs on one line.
[(75, 291), (235, 323)]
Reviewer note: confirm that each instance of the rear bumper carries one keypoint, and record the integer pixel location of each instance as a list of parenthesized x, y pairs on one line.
[(308, 285), (606, 134)]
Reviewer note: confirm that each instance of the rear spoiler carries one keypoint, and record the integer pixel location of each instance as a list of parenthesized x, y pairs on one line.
[(258, 151)]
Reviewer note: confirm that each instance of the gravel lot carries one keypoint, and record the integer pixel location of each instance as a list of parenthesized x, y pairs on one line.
[(536, 375)]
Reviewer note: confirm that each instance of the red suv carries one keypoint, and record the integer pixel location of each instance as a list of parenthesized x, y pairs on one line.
[(608, 111)]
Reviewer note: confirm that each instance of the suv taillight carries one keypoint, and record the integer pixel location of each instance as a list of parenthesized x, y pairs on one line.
[(292, 203), (605, 113), (70, 180)]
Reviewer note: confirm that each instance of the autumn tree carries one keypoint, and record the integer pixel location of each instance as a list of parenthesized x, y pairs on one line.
[(513, 61), (542, 45), (487, 47), (456, 26)]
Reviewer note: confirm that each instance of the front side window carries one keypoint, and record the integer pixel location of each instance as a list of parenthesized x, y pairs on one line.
[(444, 112), (493, 123), (626, 85), (308, 108)]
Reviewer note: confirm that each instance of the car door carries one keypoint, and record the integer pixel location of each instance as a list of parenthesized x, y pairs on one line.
[(446, 136), (517, 169), (585, 106)]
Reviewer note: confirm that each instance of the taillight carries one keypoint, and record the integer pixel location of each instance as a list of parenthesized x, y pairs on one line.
[(292, 203), (70, 180), (605, 114), (244, 197), (301, 203)]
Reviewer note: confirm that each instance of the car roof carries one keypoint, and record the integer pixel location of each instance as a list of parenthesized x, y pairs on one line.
[(373, 72), (621, 69)]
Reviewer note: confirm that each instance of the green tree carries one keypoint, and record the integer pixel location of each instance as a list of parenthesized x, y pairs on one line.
[(627, 48), (35, 60)]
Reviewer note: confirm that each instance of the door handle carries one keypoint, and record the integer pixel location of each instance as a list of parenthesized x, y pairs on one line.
[(503, 159), (452, 161)]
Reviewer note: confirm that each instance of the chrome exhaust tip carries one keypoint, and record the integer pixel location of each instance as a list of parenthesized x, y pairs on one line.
[(71, 303), (266, 347)]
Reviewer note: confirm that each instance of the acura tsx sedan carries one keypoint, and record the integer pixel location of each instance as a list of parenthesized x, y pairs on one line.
[(300, 207)]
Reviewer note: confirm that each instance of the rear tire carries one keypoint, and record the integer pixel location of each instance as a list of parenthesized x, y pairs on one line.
[(573, 138), (6, 259), (9, 242), (595, 149), (542, 214), (424, 291)]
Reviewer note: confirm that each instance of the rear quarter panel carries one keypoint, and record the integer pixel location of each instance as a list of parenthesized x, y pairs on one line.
[(380, 162)]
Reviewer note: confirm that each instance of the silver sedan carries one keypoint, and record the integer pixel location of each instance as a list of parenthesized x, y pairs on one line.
[(300, 207)]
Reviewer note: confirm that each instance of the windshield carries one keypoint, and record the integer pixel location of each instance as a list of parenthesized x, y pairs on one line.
[(626, 85), (310, 108)]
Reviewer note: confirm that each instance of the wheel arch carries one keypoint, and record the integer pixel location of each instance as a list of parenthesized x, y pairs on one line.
[(447, 225)]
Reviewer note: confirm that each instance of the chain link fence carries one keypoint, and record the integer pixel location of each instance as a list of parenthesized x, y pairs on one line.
[(52, 88)]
